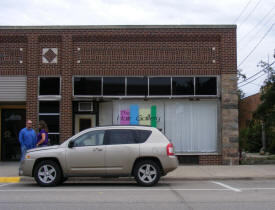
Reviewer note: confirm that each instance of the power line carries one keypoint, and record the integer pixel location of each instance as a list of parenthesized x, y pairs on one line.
[(252, 80), (255, 84), (256, 73), (257, 34), (256, 45), (249, 32), (250, 13), (243, 10)]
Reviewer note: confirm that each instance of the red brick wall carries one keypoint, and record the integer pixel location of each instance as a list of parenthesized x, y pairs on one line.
[(13, 49), (247, 106), (210, 160), (178, 51), (32, 80), (66, 117)]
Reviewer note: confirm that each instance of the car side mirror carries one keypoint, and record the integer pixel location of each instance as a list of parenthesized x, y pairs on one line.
[(71, 144)]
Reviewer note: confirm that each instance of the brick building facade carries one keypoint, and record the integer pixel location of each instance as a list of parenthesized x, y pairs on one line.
[(199, 54), (247, 106)]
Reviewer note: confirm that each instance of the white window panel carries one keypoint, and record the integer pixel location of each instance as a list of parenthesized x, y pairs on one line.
[(192, 125)]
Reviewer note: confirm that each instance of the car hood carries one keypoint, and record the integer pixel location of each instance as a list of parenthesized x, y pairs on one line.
[(44, 148)]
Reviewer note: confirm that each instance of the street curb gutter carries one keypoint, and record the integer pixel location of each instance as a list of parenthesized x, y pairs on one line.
[(95, 179), (10, 179)]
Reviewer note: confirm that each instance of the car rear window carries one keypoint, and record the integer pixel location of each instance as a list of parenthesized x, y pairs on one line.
[(142, 135)]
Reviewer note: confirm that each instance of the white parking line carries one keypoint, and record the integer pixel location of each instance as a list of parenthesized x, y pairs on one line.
[(227, 186), (2, 185)]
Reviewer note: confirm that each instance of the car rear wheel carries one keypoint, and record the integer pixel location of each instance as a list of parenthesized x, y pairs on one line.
[(147, 173), (47, 173)]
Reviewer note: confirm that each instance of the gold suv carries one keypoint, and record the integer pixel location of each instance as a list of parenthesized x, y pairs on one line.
[(114, 151)]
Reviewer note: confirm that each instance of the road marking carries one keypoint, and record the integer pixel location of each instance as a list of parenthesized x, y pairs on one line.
[(227, 186), (9, 179), (2, 185), (258, 188)]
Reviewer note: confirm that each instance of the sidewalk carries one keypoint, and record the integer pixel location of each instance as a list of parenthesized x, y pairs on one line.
[(183, 172)]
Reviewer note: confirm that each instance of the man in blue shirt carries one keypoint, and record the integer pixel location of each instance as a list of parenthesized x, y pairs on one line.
[(27, 139)]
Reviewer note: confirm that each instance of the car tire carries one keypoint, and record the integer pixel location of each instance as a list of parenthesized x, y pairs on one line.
[(147, 173), (47, 173)]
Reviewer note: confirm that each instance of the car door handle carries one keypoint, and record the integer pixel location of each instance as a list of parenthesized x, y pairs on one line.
[(97, 149)]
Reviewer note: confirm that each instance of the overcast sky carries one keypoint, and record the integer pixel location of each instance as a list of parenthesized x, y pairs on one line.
[(254, 19)]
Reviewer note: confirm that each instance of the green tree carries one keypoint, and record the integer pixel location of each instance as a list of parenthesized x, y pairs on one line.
[(265, 112), (241, 77)]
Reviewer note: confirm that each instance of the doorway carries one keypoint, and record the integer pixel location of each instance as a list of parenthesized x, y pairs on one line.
[(12, 121), (84, 121)]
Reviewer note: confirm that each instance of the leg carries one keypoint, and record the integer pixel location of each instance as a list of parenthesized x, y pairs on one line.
[(23, 152)]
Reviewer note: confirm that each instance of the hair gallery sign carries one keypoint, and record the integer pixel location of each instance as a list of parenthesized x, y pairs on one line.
[(139, 116)]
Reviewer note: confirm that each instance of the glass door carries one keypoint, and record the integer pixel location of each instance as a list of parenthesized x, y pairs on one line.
[(83, 122), (12, 121)]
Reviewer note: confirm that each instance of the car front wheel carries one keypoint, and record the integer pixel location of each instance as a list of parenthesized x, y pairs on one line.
[(47, 173), (147, 173)]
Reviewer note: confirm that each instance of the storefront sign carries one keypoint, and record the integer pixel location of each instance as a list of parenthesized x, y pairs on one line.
[(139, 116), (124, 117)]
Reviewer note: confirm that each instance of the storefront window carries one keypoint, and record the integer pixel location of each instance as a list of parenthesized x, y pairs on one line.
[(183, 86), (137, 86), (52, 122), (114, 86), (49, 107), (49, 86), (160, 86), (49, 112), (87, 85), (206, 86)]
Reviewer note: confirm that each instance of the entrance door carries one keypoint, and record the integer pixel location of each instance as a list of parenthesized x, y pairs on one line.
[(12, 121), (83, 122)]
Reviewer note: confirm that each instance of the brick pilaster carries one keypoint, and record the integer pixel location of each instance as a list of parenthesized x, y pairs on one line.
[(32, 80), (66, 88)]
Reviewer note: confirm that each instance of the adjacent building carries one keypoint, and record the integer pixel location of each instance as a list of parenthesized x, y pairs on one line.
[(247, 107), (178, 78)]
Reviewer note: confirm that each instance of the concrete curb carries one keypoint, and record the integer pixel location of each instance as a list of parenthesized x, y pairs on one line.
[(96, 179)]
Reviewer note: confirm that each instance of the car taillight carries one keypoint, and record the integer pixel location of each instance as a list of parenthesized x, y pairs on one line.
[(170, 149)]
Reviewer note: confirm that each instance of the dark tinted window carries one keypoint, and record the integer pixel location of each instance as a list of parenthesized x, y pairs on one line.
[(142, 135), (49, 86), (87, 85), (114, 86), (137, 86), (52, 121), (120, 136), (183, 85), (160, 86), (53, 139), (49, 107), (206, 86)]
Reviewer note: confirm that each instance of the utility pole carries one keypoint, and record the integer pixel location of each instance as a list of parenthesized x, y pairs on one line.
[(262, 151)]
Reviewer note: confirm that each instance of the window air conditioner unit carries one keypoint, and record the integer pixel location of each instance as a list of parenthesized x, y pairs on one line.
[(85, 106)]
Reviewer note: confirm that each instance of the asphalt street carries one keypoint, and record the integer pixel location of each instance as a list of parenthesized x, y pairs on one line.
[(227, 194)]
